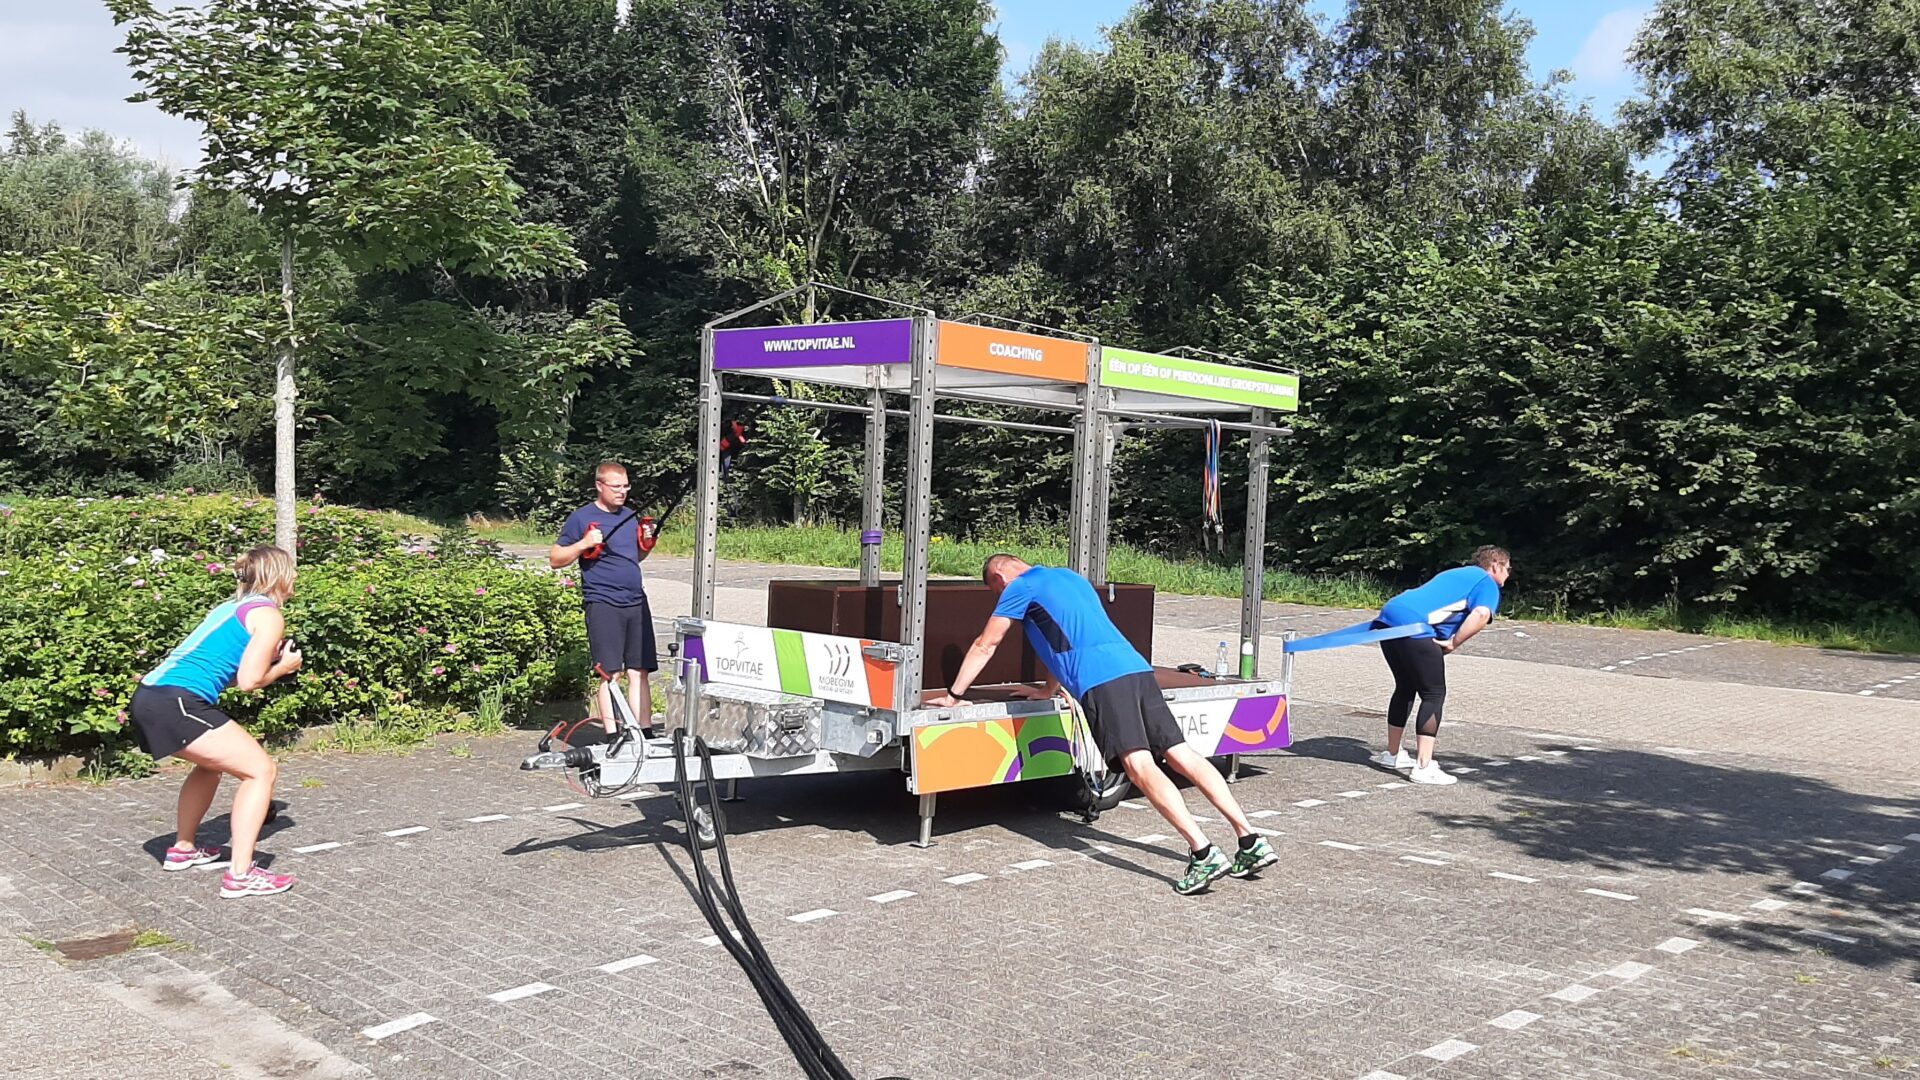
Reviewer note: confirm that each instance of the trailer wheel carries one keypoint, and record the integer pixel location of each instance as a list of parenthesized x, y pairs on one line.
[(1106, 795)]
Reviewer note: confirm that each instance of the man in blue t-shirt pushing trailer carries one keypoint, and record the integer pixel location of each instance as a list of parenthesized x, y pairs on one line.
[(1087, 655)]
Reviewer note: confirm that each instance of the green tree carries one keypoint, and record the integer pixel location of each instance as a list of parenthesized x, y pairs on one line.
[(92, 194), (799, 140), (342, 126), (1745, 83)]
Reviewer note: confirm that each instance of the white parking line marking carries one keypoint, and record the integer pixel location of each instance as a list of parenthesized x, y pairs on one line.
[(1677, 945), (1823, 935), (1521, 878), (1769, 905), (1711, 915), (1303, 803), (1424, 861), (1448, 1050), (519, 992), (890, 897), (813, 916), (1264, 814), (964, 879), (1628, 970), (1151, 838), (483, 818), (1514, 1020), (1351, 794), (556, 808), (1341, 846), (311, 848), (409, 831), (395, 1027), (619, 966), (1030, 864), (1838, 875), (1610, 895), (1574, 994)]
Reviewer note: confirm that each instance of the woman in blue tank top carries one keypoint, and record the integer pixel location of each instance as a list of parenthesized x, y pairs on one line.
[(175, 713)]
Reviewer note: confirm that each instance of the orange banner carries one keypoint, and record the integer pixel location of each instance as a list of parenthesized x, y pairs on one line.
[(1010, 352)]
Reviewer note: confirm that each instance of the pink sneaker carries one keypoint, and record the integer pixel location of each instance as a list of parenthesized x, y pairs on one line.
[(181, 858), (255, 882)]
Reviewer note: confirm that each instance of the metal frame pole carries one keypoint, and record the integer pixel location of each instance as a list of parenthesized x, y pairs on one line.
[(917, 516), (1253, 581), (707, 514), (873, 498), (1086, 454), (1104, 436)]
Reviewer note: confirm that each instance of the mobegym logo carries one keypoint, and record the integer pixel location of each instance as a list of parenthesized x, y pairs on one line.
[(839, 658), (838, 676)]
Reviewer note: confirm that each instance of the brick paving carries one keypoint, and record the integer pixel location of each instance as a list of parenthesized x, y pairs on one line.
[(1623, 885)]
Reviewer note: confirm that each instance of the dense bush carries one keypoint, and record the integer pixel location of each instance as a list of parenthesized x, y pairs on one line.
[(219, 526), (91, 599)]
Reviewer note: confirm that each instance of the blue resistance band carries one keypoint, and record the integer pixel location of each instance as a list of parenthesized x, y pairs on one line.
[(1357, 634)]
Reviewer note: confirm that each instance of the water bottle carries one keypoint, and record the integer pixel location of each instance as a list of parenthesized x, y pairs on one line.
[(1220, 667)]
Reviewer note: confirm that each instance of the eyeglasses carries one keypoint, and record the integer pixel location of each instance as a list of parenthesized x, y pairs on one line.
[(616, 487)]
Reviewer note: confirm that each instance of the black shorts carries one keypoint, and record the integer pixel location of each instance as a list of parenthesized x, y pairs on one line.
[(167, 718), (1129, 713), (621, 638)]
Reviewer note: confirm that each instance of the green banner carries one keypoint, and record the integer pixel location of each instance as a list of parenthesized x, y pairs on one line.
[(1125, 369)]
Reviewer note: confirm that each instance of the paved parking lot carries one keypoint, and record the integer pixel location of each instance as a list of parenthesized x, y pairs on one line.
[(1615, 900)]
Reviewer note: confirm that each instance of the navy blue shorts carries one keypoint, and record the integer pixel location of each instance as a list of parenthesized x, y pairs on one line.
[(620, 638)]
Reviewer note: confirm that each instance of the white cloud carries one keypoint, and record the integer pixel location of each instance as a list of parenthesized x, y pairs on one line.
[(1602, 60), (57, 62)]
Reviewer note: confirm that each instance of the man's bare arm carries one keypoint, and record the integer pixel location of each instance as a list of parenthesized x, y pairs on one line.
[(1476, 621), (978, 654), (563, 555)]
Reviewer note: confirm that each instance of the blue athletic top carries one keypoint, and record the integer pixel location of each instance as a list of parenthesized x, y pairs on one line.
[(208, 660), (613, 577), (1444, 601), (1069, 629)]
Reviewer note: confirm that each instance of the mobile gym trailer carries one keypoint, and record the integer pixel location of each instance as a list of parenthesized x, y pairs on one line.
[(834, 681)]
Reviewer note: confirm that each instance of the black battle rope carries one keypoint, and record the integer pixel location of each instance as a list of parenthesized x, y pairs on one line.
[(803, 1038)]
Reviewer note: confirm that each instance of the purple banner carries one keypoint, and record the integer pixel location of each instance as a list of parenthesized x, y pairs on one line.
[(879, 341)]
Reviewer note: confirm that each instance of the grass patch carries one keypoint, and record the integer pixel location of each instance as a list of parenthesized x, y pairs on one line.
[(835, 547), (156, 939), (313, 782), (826, 546), (509, 530), (39, 943)]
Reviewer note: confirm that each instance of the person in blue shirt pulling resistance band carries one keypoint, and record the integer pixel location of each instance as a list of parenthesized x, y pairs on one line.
[(1086, 654), (1456, 604)]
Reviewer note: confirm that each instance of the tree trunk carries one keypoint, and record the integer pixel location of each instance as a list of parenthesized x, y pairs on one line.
[(285, 521)]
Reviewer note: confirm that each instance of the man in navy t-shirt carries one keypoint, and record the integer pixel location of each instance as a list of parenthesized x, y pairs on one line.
[(1084, 652), (1456, 604), (604, 536)]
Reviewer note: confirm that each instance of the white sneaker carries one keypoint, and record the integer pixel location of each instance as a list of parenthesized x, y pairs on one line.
[(1401, 761), (1432, 775)]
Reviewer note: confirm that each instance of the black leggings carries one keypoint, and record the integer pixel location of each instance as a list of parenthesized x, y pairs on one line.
[(1419, 668)]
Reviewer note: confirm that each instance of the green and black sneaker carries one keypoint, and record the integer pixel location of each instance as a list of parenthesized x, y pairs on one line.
[(1252, 860), (1203, 871)]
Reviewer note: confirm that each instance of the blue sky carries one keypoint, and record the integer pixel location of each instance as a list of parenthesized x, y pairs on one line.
[(57, 59), (1587, 37)]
